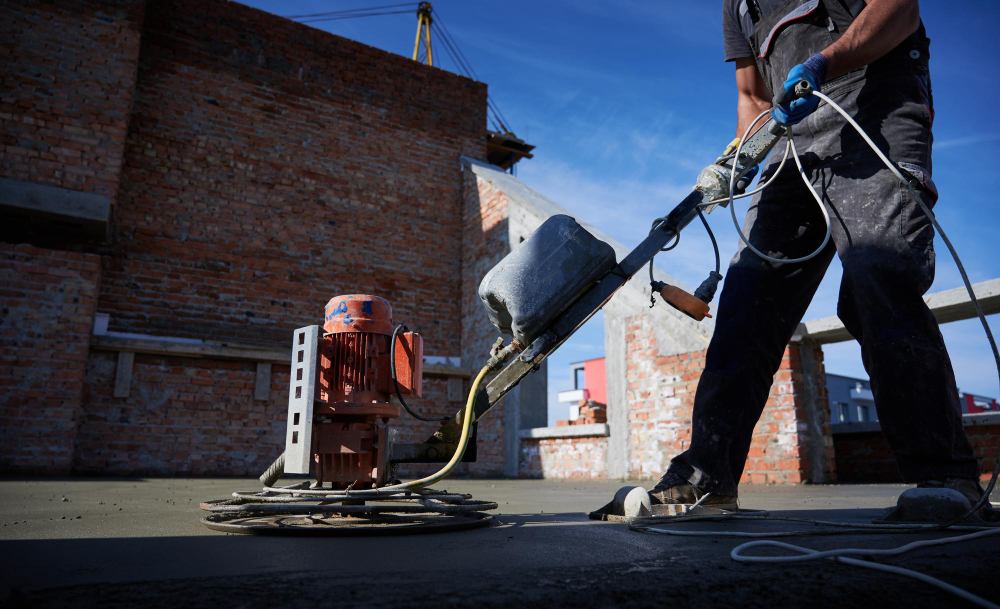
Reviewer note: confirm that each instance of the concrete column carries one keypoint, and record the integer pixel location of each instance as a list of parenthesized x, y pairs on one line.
[(813, 413), (615, 369), (520, 410)]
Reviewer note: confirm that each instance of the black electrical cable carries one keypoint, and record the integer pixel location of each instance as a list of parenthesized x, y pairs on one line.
[(395, 382), (463, 65), (351, 16), (715, 244), (677, 239), (500, 122), (361, 9)]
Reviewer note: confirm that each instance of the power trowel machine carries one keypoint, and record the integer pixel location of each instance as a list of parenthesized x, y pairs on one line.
[(349, 377)]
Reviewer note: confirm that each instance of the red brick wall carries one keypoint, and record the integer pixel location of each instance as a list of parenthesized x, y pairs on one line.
[(67, 72), (485, 226), (580, 458), (660, 392), (199, 417), (183, 416), (270, 166), (47, 301), (865, 457), (259, 168)]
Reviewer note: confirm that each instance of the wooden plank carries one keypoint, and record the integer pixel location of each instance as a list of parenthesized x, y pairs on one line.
[(947, 306), (123, 374), (262, 382)]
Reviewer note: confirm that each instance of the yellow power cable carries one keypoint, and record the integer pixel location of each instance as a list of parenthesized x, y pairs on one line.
[(463, 441)]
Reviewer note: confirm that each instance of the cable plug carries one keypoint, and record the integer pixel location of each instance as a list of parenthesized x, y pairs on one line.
[(654, 289), (706, 291), (686, 303)]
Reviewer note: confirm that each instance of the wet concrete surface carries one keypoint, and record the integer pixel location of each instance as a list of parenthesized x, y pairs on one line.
[(138, 542)]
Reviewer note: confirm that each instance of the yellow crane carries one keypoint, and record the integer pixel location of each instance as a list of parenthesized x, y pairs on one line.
[(503, 148), (424, 28)]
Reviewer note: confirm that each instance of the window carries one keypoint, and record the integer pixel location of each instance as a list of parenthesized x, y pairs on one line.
[(843, 412), (862, 413), (578, 381)]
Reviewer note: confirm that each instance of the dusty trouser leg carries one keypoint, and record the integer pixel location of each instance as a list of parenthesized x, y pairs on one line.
[(886, 245), (760, 307)]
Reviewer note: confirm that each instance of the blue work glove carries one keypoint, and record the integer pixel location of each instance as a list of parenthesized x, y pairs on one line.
[(812, 70)]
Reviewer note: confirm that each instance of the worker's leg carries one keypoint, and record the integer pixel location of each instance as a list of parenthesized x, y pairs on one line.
[(886, 246), (760, 307)]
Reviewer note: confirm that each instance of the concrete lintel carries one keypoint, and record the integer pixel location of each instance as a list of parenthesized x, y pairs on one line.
[(90, 212), (571, 431), (947, 305), (981, 418), (867, 427), (968, 420), (194, 348)]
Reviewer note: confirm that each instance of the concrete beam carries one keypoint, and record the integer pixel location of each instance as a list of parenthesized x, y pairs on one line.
[(968, 420), (947, 306), (570, 431), (84, 214), (234, 351)]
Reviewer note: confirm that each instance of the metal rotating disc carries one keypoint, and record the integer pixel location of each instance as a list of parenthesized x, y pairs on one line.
[(336, 524), (286, 512)]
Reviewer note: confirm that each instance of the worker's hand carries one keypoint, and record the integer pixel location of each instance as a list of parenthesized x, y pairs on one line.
[(743, 182), (726, 160), (812, 70)]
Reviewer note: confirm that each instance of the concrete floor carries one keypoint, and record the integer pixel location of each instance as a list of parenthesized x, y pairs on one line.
[(138, 542)]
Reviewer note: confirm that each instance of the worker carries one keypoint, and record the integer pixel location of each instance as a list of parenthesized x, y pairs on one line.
[(872, 59)]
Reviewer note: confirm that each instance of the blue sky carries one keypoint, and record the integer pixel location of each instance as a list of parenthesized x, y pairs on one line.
[(627, 100)]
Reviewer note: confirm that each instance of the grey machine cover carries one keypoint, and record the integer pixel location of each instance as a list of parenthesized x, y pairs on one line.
[(533, 284)]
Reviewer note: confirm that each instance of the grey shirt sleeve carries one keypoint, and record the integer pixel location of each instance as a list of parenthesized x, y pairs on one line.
[(734, 43)]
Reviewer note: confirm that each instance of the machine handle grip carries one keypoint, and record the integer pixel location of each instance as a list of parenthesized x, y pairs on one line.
[(686, 303), (801, 89)]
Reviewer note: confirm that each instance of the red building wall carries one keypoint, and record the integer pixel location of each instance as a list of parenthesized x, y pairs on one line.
[(595, 380)]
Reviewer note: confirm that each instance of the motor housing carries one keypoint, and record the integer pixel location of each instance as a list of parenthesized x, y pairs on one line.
[(348, 423)]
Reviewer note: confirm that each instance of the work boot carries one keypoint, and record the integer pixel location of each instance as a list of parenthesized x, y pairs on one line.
[(969, 487), (941, 501), (673, 489)]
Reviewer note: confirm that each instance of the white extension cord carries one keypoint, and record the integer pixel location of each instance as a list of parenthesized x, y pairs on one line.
[(844, 555)]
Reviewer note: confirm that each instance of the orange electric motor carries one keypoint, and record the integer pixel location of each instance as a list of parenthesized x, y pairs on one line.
[(350, 420)]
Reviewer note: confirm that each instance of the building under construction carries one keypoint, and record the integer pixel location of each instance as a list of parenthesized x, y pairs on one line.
[(183, 184)]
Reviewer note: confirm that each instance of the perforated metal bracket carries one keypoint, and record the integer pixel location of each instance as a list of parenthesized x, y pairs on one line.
[(301, 396)]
